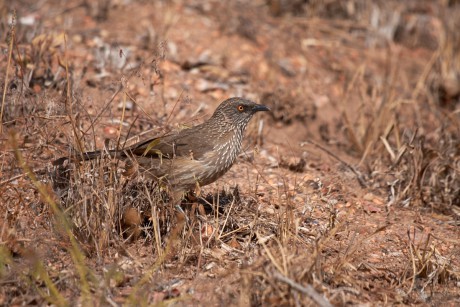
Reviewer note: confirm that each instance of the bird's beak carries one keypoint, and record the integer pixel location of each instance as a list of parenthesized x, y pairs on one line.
[(260, 107)]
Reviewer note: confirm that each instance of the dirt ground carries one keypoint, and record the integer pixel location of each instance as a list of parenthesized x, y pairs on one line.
[(347, 192)]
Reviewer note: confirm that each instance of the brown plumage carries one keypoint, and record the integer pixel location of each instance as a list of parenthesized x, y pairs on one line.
[(192, 157)]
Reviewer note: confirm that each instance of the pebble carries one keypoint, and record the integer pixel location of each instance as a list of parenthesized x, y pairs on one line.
[(128, 106)]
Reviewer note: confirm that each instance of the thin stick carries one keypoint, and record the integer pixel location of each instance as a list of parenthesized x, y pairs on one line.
[(68, 101), (39, 171), (308, 290), (359, 177), (10, 54)]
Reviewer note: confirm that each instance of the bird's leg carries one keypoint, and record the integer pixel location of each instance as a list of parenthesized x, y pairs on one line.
[(177, 197)]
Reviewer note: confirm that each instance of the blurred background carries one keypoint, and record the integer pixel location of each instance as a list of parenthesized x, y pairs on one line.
[(365, 99)]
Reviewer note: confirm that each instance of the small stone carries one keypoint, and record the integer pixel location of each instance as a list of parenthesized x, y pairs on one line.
[(128, 105)]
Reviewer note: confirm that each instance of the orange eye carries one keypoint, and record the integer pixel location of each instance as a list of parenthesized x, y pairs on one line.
[(240, 108)]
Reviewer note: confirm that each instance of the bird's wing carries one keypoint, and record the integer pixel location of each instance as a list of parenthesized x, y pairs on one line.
[(186, 143)]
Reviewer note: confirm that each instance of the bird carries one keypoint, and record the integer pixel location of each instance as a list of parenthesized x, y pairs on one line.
[(192, 157)]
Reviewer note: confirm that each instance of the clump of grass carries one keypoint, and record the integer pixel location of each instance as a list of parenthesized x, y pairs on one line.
[(55, 296), (426, 267), (418, 134), (100, 201)]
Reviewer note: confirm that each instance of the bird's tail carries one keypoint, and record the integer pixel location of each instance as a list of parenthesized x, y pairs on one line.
[(91, 155)]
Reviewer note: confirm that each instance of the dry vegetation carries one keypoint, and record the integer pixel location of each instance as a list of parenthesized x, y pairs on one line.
[(347, 193)]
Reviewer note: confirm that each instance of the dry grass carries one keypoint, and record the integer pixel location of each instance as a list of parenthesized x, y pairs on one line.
[(284, 227)]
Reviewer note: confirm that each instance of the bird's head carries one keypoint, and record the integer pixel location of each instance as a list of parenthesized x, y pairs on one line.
[(237, 112)]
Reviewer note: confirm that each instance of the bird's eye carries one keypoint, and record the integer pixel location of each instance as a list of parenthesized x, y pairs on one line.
[(240, 108)]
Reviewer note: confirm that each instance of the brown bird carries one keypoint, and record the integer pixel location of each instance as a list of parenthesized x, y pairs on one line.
[(192, 157)]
